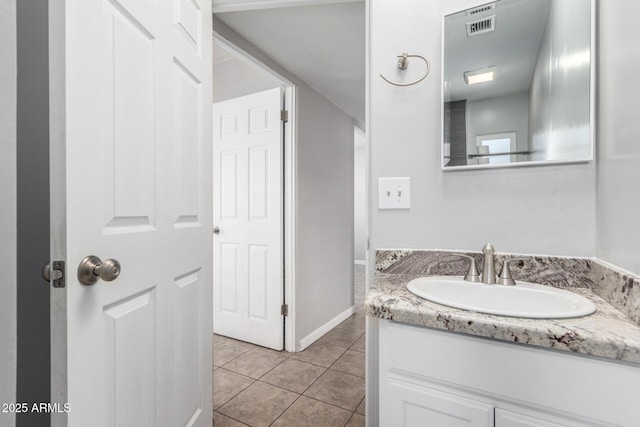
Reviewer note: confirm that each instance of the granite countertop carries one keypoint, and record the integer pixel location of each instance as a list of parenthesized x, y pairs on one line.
[(608, 333)]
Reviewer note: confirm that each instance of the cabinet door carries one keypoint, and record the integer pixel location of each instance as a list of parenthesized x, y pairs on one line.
[(409, 405), (505, 418)]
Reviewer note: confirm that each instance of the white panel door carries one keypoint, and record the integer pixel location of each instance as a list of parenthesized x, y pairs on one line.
[(131, 180), (247, 206)]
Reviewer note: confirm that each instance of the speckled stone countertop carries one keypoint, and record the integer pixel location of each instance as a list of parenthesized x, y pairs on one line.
[(611, 332)]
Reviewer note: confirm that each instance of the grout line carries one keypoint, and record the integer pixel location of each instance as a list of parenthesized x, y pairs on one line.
[(343, 372), (229, 361), (293, 391), (328, 403), (353, 414), (262, 376), (320, 376), (363, 399), (233, 419), (313, 382), (317, 400), (234, 372), (289, 355), (315, 364), (287, 408), (236, 395)]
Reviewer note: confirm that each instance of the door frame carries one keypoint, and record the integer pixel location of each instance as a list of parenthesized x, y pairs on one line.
[(289, 181)]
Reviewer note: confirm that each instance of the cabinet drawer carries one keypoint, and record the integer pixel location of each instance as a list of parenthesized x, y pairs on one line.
[(508, 418), (410, 405)]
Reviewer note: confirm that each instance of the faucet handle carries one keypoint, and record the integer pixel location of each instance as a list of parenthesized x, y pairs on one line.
[(472, 275), (505, 278)]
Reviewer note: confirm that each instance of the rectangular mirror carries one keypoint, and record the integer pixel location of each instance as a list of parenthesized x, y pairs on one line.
[(518, 84)]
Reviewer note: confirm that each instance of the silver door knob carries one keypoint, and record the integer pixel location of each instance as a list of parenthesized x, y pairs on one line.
[(216, 230), (92, 268)]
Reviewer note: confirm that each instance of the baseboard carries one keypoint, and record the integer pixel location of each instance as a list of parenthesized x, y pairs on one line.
[(360, 262), (315, 335)]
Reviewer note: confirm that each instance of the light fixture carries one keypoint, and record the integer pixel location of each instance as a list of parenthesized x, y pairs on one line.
[(486, 74)]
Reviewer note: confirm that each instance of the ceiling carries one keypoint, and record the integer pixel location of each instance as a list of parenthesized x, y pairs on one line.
[(323, 45), (513, 48)]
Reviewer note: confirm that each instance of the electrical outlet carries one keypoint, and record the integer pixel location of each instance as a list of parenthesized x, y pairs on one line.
[(394, 193)]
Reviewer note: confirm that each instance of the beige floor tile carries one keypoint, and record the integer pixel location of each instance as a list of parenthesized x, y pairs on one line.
[(218, 338), (340, 337), (227, 384), (353, 323), (220, 420), (356, 421), (255, 363), (362, 407), (243, 343), (360, 344), (351, 362), (293, 375), (259, 405), (338, 388), (320, 354), (309, 412), (227, 350)]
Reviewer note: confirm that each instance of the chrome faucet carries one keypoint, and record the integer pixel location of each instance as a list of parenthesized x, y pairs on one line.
[(488, 267)]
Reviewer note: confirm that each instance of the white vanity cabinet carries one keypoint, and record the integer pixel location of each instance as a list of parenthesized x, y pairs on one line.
[(436, 378), (416, 405), (506, 418)]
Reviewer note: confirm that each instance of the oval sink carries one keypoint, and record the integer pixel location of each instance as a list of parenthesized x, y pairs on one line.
[(523, 300)]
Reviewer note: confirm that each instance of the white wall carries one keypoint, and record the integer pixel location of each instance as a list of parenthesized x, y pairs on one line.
[(233, 78), (618, 154), (545, 210), (359, 195), (8, 242), (324, 230), (559, 112), (496, 115), (324, 201)]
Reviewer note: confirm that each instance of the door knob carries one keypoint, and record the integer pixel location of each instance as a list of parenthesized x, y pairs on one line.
[(92, 268), (216, 230)]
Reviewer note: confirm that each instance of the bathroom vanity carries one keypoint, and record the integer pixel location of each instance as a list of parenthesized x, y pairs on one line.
[(442, 366)]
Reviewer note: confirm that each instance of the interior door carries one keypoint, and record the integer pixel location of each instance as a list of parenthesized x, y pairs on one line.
[(248, 216), (131, 181)]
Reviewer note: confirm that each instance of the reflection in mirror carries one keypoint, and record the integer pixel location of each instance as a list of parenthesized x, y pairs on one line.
[(517, 83)]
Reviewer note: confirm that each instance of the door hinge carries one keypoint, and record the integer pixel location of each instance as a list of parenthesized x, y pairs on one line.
[(284, 115), (284, 310), (54, 274)]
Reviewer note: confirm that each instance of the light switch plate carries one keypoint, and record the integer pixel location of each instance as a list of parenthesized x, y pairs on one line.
[(394, 193)]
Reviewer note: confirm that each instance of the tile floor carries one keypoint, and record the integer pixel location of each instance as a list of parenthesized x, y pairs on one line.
[(321, 386)]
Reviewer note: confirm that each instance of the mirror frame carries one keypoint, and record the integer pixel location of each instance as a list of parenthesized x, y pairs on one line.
[(592, 98)]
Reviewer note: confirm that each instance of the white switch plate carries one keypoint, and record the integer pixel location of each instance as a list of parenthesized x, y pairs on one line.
[(394, 193)]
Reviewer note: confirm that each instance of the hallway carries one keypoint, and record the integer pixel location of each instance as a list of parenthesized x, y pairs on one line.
[(321, 386)]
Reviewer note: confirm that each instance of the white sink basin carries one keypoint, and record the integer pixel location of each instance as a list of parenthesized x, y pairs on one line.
[(523, 300)]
